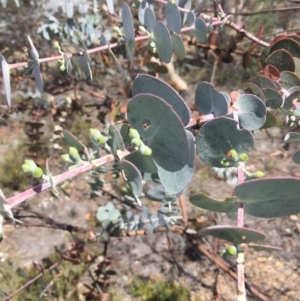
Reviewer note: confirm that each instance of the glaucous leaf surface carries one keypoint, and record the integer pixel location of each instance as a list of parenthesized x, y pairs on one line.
[(199, 7), (263, 82), (123, 129), (282, 60), (178, 46), (143, 163), (296, 157), (273, 98), (173, 17), (288, 102), (200, 200), (227, 97), (142, 11), (108, 213), (260, 248), (159, 194), (34, 53), (6, 79), (85, 61), (117, 140), (175, 182), (128, 30), (270, 197), (233, 234), (185, 4), (110, 6), (149, 20), (148, 84), (38, 77), (289, 45), (256, 90), (200, 30), (218, 136), (133, 177), (73, 141), (289, 80), (165, 133), (292, 137), (191, 18), (270, 121), (209, 101), (251, 112), (163, 42)]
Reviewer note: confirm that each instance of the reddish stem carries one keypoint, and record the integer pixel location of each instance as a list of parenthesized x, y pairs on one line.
[(18, 199)]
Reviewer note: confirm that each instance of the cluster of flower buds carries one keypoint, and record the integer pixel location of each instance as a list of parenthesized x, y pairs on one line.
[(233, 156), (73, 156), (61, 62), (98, 138), (137, 142), (233, 250), (30, 166)]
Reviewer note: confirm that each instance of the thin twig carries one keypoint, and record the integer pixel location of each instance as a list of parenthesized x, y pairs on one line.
[(223, 266), (183, 210), (28, 283), (266, 11)]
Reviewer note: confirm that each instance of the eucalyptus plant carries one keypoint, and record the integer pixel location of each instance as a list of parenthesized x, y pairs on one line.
[(157, 139)]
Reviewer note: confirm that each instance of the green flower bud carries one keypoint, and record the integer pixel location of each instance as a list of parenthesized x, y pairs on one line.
[(224, 162), (143, 29), (152, 44), (96, 136), (56, 45), (133, 133), (62, 68), (28, 166), (232, 153), (137, 142), (146, 150), (258, 174), (66, 158), (74, 153), (60, 62), (231, 250), (244, 157), (117, 30), (101, 140), (37, 173)]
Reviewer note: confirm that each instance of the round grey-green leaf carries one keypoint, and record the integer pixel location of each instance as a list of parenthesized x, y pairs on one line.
[(273, 98), (200, 30), (163, 42), (296, 157), (164, 133), (73, 141), (202, 201), (173, 17), (148, 84), (175, 182), (178, 46), (149, 20), (143, 163), (251, 112), (270, 197), (209, 101), (220, 135), (235, 235), (282, 60), (133, 177)]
